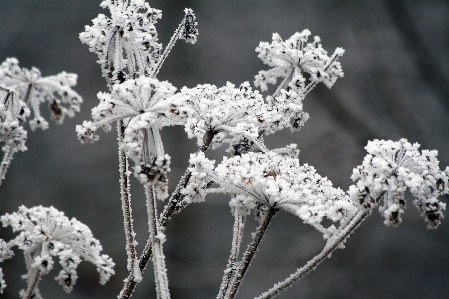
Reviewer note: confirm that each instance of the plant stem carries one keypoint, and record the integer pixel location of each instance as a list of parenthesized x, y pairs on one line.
[(173, 206), (239, 225), (6, 161), (156, 237), (126, 204), (167, 50), (325, 253), (32, 284), (238, 276)]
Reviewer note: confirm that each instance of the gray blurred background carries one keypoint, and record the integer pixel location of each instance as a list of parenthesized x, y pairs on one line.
[(396, 85)]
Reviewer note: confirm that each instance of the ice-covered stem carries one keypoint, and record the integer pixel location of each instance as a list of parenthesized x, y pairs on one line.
[(237, 235), (126, 204), (186, 30), (32, 284), (173, 206), (157, 237), (248, 255), (314, 262), (7, 157)]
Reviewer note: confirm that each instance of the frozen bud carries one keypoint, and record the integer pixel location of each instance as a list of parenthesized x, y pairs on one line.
[(86, 132), (189, 32)]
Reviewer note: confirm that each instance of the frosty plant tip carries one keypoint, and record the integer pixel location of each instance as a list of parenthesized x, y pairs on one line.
[(258, 179)]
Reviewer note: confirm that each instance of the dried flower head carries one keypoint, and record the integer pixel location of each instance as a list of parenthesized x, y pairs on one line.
[(278, 182), (189, 32), (126, 43), (33, 89), (293, 58), (45, 233), (228, 113), (388, 169), (145, 105)]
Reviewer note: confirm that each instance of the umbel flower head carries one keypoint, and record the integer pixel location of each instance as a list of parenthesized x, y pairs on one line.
[(45, 233), (13, 113), (126, 43), (278, 182), (228, 113), (388, 169), (292, 58), (145, 105), (33, 89)]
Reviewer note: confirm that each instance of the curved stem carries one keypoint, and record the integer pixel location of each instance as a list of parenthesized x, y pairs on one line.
[(238, 276), (319, 258)]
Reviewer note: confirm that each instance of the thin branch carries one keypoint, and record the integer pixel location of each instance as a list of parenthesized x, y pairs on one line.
[(156, 237), (174, 205), (167, 50), (248, 255), (126, 205), (6, 161), (239, 225), (325, 253)]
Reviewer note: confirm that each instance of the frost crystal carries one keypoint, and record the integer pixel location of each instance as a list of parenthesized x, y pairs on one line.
[(388, 169), (45, 233), (291, 58), (126, 43), (33, 89)]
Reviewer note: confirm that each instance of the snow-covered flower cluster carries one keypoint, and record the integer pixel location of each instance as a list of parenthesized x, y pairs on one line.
[(302, 65), (33, 90), (45, 233), (277, 182), (13, 113), (258, 179), (228, 113), (145, 105), (293, 58), (126, 43), (392, 167)]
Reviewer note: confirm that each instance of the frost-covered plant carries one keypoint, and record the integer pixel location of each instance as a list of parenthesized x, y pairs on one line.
[(258, 179), (45, 233), (22, 90), (33, 90), (388, 169)]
